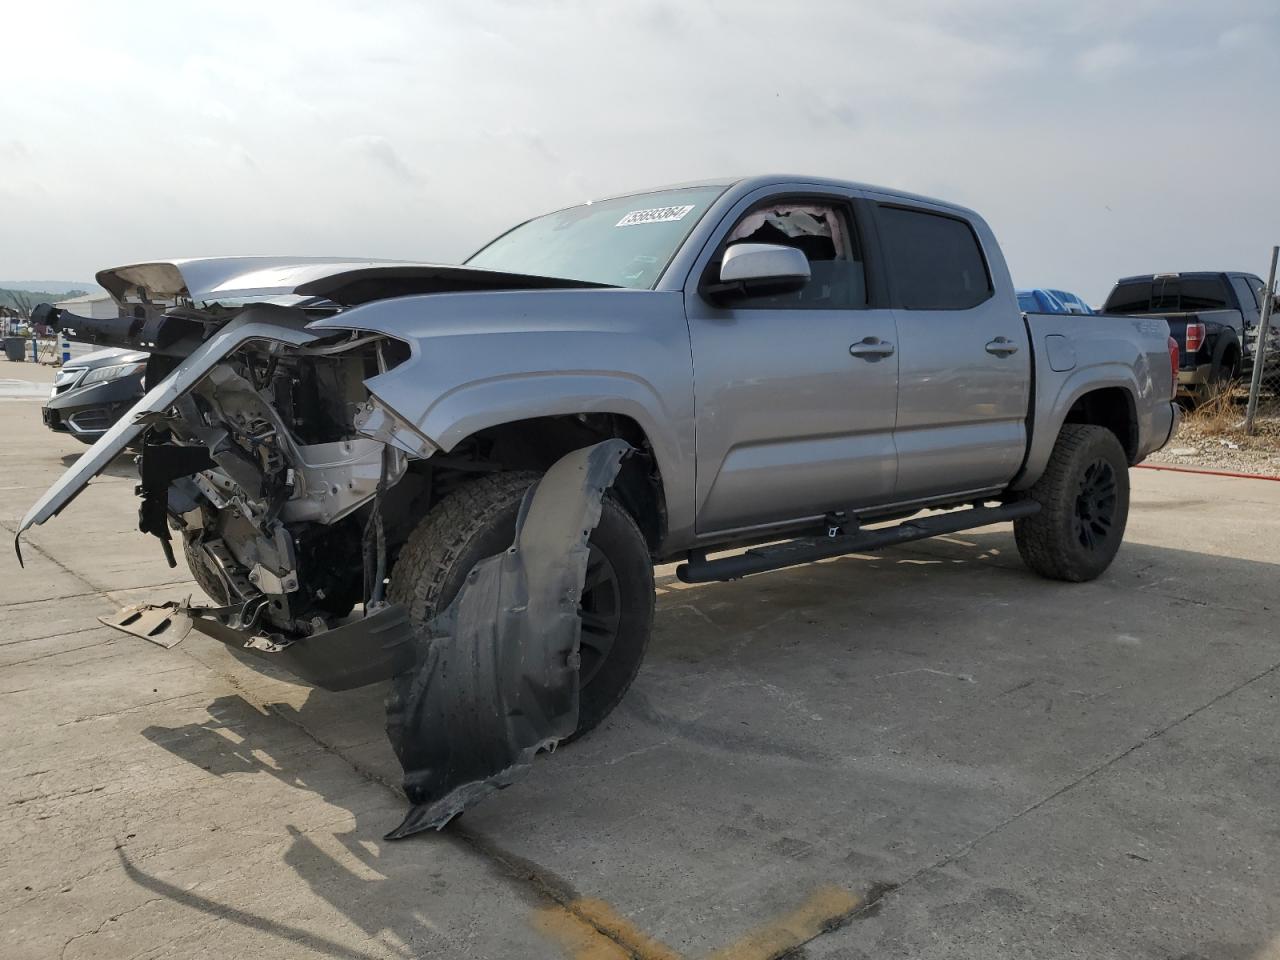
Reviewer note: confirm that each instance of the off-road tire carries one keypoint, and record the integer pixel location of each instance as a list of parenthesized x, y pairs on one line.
[(202, 575), (478, 521), (1084, 504)]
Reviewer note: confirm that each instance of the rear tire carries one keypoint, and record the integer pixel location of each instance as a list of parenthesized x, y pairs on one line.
[(1222, 375), (478, 521), (1084, 506)]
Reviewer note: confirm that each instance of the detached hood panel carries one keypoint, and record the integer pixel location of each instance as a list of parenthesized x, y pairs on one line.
[(343, 281)]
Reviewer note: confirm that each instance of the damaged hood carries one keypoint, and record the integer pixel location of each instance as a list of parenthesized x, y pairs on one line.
[(343, 281)]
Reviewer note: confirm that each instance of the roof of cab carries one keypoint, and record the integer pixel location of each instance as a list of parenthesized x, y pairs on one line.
[(1172, 274), (758, 181)]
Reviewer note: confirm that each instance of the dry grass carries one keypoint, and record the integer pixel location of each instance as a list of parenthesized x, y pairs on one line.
[(1221, 416)]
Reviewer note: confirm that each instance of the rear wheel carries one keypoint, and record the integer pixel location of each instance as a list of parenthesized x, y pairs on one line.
[(1224, 375), (478, 521), (1084, 505)]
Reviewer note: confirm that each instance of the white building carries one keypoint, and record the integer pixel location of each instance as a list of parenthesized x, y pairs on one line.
[(96, 306)]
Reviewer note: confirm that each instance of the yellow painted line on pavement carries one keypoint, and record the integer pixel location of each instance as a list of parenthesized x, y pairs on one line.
[(580, 940), (590, 929), (825, 908)]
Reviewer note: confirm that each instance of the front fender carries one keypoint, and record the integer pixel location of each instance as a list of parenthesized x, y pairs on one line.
[(482, 359), (471, 407)]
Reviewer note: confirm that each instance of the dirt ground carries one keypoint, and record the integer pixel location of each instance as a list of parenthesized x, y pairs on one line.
[(1214, 439)]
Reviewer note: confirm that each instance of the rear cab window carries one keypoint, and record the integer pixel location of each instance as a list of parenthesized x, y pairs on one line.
[(1172, 294), (934, 260)]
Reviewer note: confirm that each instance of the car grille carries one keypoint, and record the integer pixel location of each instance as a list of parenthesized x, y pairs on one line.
[(90, 421)]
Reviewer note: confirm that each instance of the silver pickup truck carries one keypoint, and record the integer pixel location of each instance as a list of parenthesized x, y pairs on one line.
[(399, 470)]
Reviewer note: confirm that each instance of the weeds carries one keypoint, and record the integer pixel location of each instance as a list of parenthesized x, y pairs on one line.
[(1220, 416)]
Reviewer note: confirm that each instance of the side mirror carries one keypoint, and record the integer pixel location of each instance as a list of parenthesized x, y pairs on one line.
[(759, 269)]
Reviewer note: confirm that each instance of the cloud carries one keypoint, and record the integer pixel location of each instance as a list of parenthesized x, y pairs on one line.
[(1243, 36), (426, 128), (381, 151), (1106, 59)]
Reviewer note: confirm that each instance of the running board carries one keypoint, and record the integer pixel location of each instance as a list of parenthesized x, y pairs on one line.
[(794, 552)]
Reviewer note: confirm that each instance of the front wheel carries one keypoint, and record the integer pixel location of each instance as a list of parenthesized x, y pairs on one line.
[(479, 520), (209, 581), (1084, 505)]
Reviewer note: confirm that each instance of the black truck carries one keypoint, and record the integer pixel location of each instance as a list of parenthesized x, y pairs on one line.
[(1214, 317)]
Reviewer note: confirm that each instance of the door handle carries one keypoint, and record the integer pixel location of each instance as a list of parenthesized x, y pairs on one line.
[(871, 348), (1002, 347)]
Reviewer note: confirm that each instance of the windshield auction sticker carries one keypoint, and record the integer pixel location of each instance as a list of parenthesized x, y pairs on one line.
[(655, 215)]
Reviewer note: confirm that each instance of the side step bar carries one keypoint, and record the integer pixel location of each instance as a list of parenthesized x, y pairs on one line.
[(794, 552)]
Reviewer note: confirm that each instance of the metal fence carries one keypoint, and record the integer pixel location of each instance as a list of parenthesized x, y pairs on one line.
[(1264, 347)]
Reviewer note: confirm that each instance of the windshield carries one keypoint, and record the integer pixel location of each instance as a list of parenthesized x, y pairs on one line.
[(624, 242)]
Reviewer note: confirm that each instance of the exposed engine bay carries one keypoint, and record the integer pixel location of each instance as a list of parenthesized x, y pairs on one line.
[(286, 515)]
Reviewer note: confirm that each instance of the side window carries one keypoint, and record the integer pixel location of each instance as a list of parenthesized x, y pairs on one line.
[(1247, 293), (825, 234), (934, 261)]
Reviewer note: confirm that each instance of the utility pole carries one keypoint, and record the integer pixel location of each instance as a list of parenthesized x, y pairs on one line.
[(1260, 351)]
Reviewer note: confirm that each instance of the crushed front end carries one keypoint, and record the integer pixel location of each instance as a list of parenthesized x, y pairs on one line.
[(251, 459), (289, 487)]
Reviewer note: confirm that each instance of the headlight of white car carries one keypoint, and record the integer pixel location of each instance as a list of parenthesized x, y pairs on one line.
[(103, 374)]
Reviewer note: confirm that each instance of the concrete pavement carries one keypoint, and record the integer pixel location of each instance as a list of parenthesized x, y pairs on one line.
[(924, 753)]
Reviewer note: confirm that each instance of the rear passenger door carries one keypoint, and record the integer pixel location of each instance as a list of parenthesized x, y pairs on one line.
[(964, 362)]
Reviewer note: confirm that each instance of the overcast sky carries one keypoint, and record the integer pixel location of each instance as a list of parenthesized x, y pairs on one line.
[(1098, 138)]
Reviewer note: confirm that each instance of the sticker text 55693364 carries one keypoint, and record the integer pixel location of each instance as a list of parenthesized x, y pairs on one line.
[(655, 215)]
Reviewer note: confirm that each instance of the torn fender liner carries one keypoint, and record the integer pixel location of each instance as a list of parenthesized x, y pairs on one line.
[(497, 673)]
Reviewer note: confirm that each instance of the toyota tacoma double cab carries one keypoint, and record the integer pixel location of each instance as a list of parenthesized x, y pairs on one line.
[(460, 478)]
